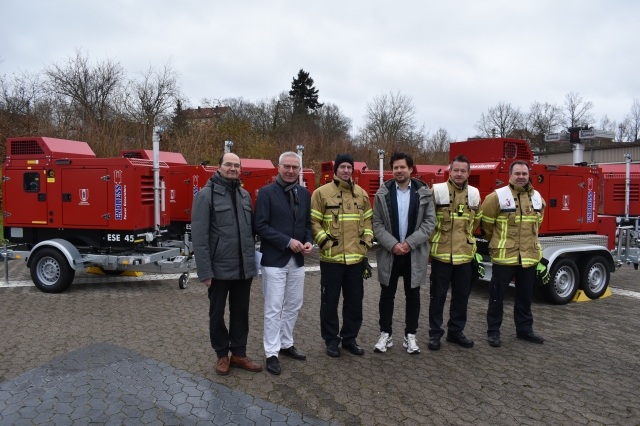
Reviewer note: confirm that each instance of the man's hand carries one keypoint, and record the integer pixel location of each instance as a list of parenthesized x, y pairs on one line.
[(207, 282), (399, 249), (306, 249), (296, 246), (406, 247)]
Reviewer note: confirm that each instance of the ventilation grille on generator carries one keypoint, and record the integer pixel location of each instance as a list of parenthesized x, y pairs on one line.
[(26, 148), (474, 180), (146, 190), (516, 151), (619, 190)]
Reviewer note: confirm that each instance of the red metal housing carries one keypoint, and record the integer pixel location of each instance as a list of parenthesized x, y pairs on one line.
[(57, 188)]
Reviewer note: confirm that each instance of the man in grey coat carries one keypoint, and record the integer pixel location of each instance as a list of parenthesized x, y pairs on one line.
[(403, 219), (223, 244)]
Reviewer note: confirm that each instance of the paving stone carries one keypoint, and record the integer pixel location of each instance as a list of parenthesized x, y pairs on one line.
[(119, 351)]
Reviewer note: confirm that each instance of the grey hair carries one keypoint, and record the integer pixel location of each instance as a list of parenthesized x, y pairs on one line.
[(289, 154)]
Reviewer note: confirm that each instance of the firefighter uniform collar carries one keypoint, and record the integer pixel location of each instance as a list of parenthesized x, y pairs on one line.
[(527, 188), (343, 184), (456, 185)]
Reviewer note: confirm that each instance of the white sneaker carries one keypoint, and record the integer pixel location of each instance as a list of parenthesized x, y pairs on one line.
[(411, 344), (385, 341)]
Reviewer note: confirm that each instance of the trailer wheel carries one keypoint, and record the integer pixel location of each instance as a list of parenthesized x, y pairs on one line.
[(50, 271), (183, 282), (594, 277), (563, 285)]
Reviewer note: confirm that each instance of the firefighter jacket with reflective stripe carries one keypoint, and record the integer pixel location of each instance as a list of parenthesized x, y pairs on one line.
[(458, 214), (341, 222), (511, 218)]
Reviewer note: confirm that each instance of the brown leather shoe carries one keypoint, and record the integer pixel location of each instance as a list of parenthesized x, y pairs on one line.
[(245, 363), (222, 366)]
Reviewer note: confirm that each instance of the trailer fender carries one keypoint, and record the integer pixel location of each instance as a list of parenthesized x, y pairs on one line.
[(577, 251), (65, 247)]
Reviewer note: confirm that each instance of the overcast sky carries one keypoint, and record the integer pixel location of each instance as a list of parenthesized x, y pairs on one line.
[(455, 59)]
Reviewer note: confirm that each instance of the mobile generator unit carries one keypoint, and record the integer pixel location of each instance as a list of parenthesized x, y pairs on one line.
[(578, 242), (66, 210)]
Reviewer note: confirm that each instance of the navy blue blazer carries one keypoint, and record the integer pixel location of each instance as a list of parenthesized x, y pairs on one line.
[(274, 223)]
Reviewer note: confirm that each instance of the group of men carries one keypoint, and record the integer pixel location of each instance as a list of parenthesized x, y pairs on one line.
[(411, 223)]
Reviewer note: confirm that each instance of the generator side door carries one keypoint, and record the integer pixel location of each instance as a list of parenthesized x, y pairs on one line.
[(85, 197), (180, 196), (564, 207), (25, 197)]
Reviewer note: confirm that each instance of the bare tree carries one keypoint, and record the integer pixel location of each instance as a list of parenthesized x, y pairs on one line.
[(390, 122), (91, 88), (633, 122), (152, 95), (576, 111), (21, 93), (436, 147), (542, 118), (500, 121)]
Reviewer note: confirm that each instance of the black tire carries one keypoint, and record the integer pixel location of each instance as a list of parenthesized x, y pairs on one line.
[(594, 277), (563, 284), (50, 271), (183, 282)]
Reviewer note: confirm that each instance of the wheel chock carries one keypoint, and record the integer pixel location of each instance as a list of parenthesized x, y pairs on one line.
[(606, 293), (580, 297), (98, 271)]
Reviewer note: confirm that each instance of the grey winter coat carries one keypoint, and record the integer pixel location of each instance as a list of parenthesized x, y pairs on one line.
[(418, 240), (223, 241)]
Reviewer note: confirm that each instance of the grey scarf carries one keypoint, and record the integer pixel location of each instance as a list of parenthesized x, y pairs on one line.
[(290, 189)]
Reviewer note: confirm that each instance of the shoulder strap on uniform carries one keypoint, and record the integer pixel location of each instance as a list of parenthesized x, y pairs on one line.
[(536, 200), (474, 197), (441, 194), (506, 200)]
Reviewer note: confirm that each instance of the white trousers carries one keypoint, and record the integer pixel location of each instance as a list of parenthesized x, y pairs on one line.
[(283, 290)]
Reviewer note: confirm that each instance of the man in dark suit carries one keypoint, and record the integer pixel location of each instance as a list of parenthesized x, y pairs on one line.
[(283, 223)]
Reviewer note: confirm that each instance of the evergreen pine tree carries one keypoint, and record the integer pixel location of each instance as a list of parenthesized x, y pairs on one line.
[(303, 95)]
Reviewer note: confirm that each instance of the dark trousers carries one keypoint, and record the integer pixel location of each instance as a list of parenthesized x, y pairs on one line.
[(460, 278), (500, 279), (401, 268), (234, 339), (336, 277)]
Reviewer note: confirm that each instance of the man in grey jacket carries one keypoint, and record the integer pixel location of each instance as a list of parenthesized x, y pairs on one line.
[(223, 245), (403, 219)]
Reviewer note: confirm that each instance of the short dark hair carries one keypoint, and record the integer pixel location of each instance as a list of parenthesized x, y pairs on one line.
[(401, 156), (522, 163), (460, 159)]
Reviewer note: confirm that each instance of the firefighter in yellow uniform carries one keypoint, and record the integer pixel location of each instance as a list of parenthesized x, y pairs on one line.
[(453, 248), (341, 223), (511, 218)]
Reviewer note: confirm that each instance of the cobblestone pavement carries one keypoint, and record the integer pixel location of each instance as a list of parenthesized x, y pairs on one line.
[(587, 371), (106, 384)]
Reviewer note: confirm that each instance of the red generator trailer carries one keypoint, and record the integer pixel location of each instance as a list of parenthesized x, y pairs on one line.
[(613, 186), (369, 180), (66, 210), (575, 240), (430, 174), (184, 181)]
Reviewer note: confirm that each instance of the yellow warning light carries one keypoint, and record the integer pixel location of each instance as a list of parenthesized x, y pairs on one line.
[(125, 262)]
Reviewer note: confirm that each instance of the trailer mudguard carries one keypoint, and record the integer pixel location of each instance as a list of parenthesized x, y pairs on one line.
[(65, 247), (578, 250)]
